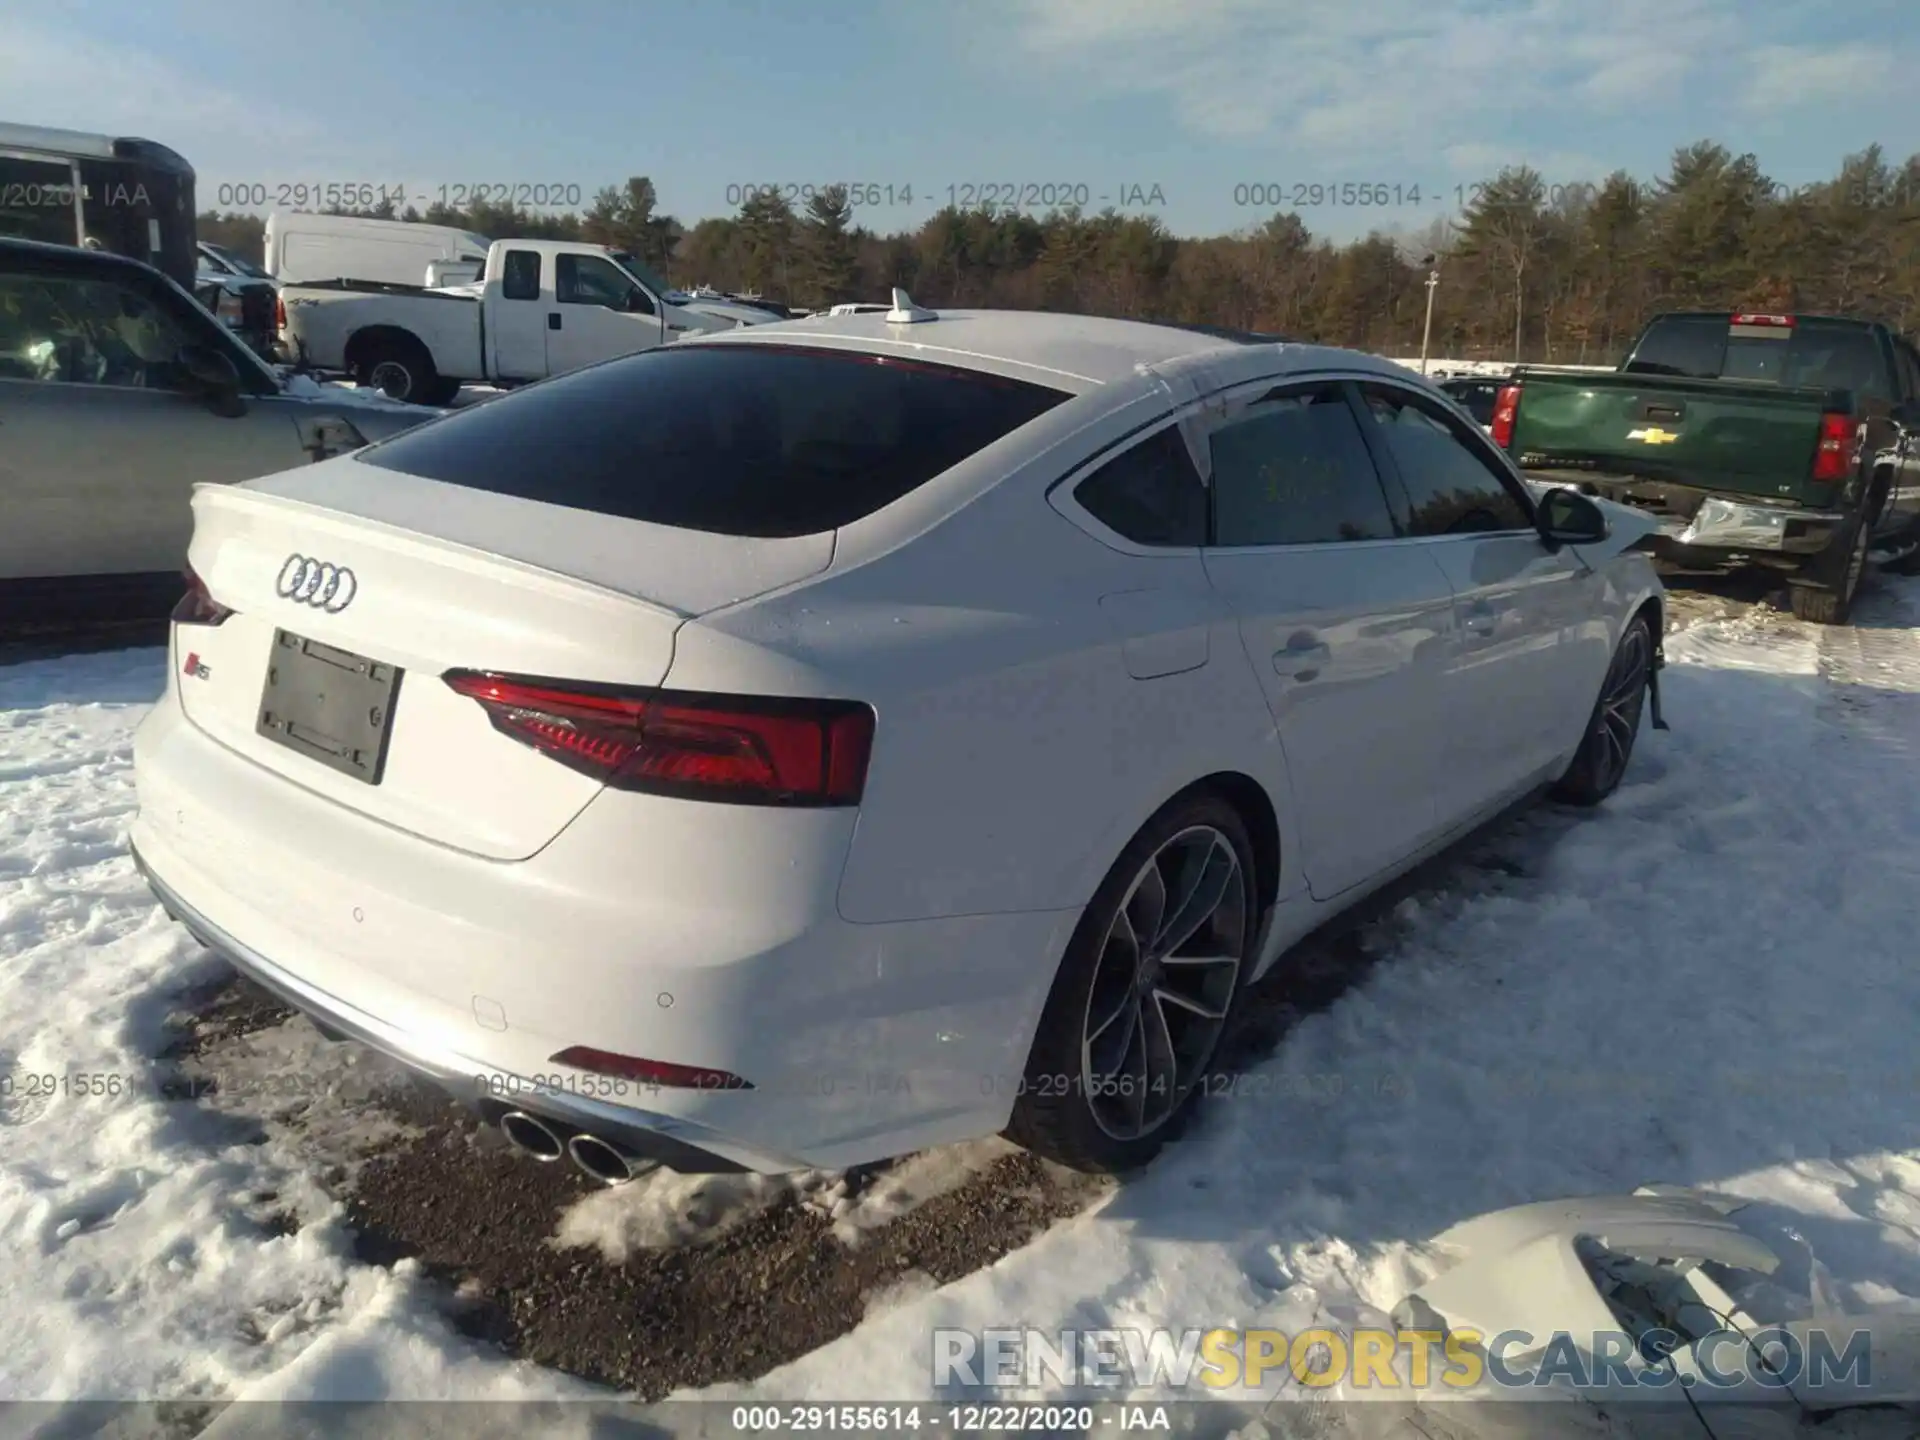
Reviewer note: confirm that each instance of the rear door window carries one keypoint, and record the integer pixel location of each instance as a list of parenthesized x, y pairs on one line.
[(749, 440), (1293, 469)]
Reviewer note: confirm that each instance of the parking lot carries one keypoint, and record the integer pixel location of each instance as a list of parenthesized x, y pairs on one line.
[(1702, 982)]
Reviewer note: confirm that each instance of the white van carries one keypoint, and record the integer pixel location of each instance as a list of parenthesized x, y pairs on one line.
[(347, 247)]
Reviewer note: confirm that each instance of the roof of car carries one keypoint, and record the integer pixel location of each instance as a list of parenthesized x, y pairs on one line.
[(1074, 352)]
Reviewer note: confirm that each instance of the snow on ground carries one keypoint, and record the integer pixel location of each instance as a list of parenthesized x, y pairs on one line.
[(1709, 982), (1439, 369)]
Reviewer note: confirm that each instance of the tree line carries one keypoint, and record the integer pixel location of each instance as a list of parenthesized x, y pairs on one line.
[(1526, 270)]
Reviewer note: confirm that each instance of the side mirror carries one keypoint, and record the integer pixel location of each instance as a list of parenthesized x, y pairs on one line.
[(213, 374), (639, 302), (1569, 518)]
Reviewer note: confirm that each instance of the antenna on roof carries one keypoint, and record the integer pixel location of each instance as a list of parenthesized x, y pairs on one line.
[(905, 312)]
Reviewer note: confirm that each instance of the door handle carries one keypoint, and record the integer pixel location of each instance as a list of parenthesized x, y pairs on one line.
[(1480, 618), (553, 320), (1301, 659)]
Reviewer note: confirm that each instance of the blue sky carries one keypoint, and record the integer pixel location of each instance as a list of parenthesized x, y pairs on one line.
[(1205, 99)]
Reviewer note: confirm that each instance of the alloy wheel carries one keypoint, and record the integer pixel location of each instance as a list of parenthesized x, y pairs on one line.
[(392, 379), (1163, 983), (1618, 718)]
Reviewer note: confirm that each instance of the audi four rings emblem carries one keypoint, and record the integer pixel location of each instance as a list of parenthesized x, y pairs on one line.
[(307, 581)]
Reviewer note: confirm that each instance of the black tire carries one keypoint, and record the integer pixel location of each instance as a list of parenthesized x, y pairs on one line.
[(399, 367), (1606, 746), (442, 392), (1827, 598), (1065, 1114)]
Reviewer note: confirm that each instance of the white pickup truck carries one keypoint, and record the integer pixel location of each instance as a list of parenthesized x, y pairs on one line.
[(541, 307)]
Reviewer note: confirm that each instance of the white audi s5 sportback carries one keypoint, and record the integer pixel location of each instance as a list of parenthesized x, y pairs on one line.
[(818, 741)]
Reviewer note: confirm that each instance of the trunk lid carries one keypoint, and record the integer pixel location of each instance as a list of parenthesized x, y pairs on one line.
[(443, 578), (1733, 436)]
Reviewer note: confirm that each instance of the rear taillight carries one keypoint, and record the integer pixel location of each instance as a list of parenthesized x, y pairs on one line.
[(279, 313), (1506, 406), (742, 748), (650, 1072), (197, 606), (1833, 459), (1778, 321)]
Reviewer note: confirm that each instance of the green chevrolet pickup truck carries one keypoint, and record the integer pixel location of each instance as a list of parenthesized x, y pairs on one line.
[(1787, 441)]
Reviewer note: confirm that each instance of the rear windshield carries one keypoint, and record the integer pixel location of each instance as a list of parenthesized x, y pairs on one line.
[(751, 440), (1813, 352)]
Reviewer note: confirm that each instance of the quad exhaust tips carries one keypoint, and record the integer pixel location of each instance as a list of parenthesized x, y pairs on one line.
[(593, 1156)]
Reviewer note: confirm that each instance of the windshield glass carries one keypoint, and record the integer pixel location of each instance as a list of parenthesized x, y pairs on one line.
[(239, 263), (646, 277)]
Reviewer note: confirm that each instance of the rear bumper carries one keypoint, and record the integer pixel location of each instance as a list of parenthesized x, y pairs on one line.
[(1722, 524), (677, 1143), (698, 935), (1701, 527)]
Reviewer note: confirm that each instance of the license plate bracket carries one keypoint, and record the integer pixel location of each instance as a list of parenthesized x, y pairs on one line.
[(329, 704)]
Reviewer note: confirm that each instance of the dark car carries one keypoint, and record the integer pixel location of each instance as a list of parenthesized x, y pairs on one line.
[(241, 294), (1476, 395)]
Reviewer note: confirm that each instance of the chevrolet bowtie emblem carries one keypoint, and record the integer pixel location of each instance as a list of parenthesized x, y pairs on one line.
[(1653, 435)]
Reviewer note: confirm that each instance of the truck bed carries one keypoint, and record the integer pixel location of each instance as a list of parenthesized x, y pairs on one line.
[(374, 287), (332, 324)]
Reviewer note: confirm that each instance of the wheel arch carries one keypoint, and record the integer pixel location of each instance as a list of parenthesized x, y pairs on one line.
[(1653, 608), (369, 336), (1250, 800)]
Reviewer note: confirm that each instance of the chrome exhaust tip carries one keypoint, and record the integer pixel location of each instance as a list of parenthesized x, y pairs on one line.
[(602, 1161), (531, 1136)]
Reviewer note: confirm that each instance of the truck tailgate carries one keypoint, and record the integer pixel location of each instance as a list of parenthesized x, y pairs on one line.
[(1733, 436)]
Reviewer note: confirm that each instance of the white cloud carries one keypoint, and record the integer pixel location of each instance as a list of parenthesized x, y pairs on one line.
[(1452, 81), (1787, 76), (53, 77)]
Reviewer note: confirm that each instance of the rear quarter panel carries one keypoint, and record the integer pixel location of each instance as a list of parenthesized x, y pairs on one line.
[(1014, 755)]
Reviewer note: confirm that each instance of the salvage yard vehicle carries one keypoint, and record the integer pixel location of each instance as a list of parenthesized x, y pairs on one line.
[(543, 307), (118, 393), (299, 247), (1476, 394), (797, 746), (1775, 440), (240, 294), (117, 193)]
